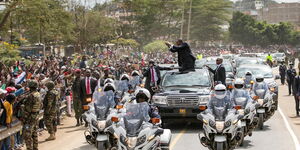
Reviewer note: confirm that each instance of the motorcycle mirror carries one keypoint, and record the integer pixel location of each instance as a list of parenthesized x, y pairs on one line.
[(155, 120), (86, 107), (119, 106), (238, 107), (114, 119), (202, 107)]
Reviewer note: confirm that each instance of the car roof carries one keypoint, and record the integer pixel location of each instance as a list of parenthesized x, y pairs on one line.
[(254, 66), (176, 70)]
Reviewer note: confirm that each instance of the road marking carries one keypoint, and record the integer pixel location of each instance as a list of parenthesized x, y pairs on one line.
[(292, 133), (177, 138)]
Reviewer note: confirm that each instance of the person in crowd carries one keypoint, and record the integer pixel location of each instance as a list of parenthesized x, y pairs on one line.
[(186, 59), (32, 106), (296, 93), (282, 72), (152, 75), (50, 109), (83, 62), (77, 97), (290, 73), (219, 72)]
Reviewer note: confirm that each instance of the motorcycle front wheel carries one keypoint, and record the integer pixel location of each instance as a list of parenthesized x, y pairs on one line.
[(261, 121), (100, 145), (219, 146)]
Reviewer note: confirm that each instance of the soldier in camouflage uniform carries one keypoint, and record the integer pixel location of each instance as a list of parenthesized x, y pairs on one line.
[(50, 109), (32, 106), (77, 103)]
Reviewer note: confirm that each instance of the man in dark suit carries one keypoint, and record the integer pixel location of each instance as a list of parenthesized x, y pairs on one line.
[(296, 93), (186, 59), (219, 72), (152, 75), (87, 87)]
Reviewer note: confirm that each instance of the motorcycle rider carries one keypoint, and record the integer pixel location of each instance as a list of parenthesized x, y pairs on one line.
[(143, 95), (220, 98), (248, 79), (239, 91), (111, 87), (136, 79), (260, 84)]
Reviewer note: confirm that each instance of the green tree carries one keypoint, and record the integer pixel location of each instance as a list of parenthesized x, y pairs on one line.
[(156, 46), (9, 53)]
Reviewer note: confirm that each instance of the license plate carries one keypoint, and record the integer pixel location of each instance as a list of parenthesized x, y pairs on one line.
[(182, 111)]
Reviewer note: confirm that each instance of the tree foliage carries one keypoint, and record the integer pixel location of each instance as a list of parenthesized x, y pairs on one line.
[(156, 46), (248, 31), (9, 53)]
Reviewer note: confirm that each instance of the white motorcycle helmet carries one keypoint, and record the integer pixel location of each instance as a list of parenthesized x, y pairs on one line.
[(135, 73), (125, 77), (220, 91), (108, 87), (142, 95), (108, 80), (259, 78), (239, 83)]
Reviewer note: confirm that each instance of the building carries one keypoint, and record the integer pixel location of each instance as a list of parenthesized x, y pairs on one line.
[(284, 12)]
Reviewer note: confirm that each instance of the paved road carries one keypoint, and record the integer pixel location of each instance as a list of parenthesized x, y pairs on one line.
[(275, 136)]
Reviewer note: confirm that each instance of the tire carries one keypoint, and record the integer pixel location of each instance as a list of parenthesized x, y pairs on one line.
[(261, 121), (241, 143), (101, 146), (219, 146)]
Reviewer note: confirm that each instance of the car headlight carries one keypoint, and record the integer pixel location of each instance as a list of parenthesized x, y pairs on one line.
[(101, 125), (131, 142), (159, 99), (203, 99)]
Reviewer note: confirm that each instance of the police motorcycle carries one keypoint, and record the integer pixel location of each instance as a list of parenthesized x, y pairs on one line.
[(135, 132), (246, 107), (248, 81), (98, 118), (124, 90), (264, 98), (221, 125)]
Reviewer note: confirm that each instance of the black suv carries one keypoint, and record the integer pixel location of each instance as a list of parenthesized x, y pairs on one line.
[(182, 93)]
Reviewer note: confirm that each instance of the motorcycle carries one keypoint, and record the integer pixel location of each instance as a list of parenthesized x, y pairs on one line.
[(266, 108), (98, 118), (249, 120), (134, 131), (221, 129)]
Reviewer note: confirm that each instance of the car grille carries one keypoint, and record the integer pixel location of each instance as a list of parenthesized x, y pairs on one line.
[(183, 101)]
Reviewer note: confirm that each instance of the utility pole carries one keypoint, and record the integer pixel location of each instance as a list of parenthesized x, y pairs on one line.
[(182, 20), (189, 23)]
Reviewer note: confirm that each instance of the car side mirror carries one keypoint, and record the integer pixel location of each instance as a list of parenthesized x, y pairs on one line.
[(277, 77)]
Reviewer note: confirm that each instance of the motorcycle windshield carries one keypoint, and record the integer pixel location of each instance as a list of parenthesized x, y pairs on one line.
[(103, 102), (220, 113), (135, 81), (123, 86), (136, 114), (260, 93), (241, 101)]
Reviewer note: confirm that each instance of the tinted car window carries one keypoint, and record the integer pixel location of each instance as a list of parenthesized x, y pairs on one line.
[(199, 78)]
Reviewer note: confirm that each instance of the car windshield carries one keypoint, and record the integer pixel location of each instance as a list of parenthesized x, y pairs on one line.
[(228, 67), (199, 78), (279, 55), (200, 63), (249, 62), (265, 71)]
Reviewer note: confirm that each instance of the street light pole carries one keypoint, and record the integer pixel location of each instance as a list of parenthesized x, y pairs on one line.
[(189, 23), (182, 20)]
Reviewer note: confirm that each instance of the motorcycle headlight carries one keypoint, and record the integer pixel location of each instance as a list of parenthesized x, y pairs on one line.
[(141, 140), (212, 123), (247, 110), (95, 123), (203, 99), (101, 125), (159, 99), (131, 142), (219, 126), (227, 123)]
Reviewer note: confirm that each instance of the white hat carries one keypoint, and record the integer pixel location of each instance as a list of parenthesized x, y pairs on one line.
[(3, 91)]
